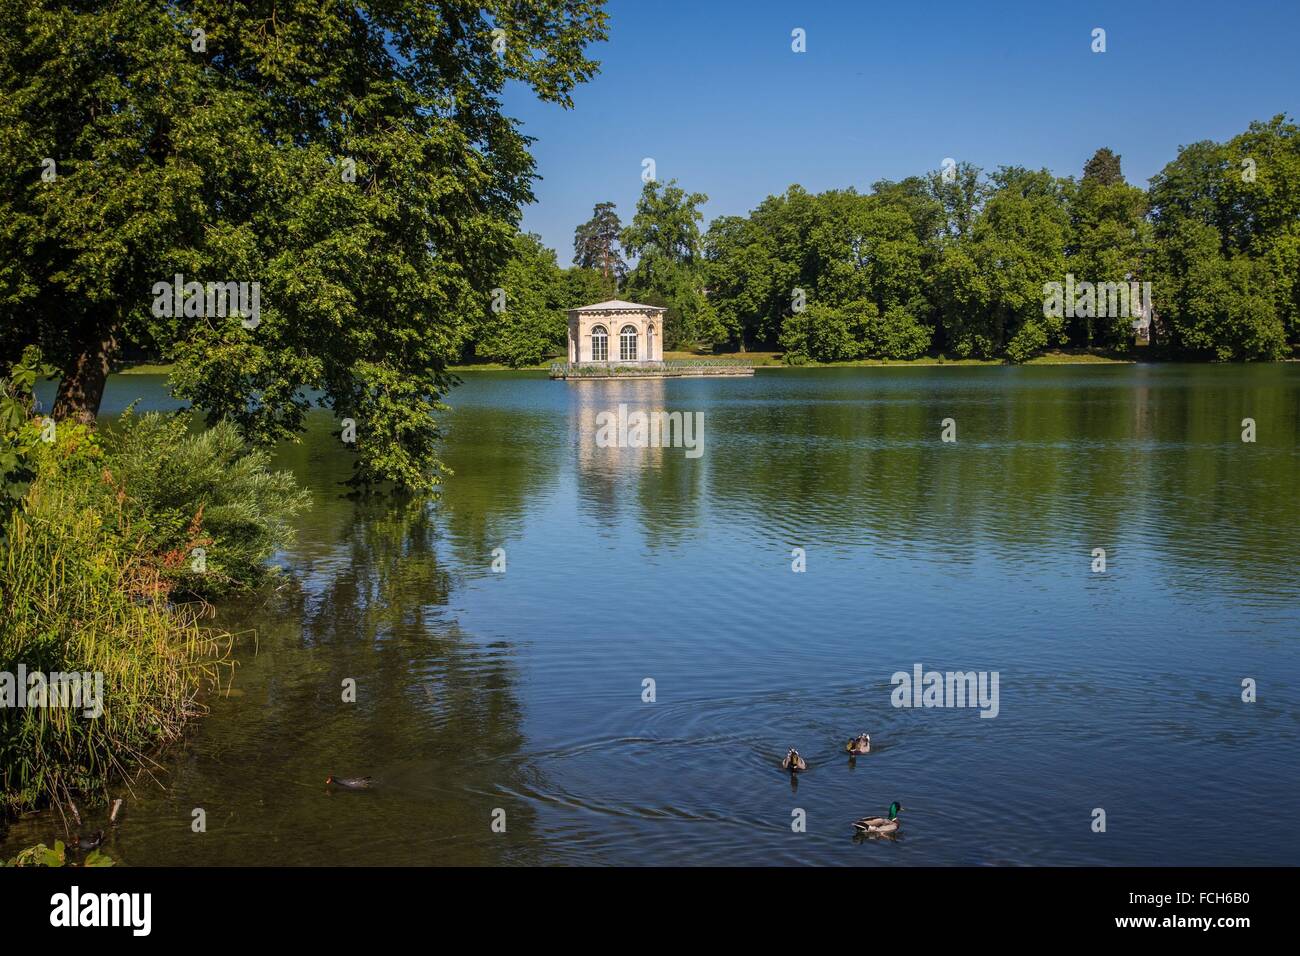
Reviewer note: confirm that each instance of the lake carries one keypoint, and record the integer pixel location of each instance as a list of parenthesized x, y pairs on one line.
[(525, 691)]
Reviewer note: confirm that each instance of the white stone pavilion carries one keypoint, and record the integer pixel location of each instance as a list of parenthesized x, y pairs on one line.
[(616, 331)]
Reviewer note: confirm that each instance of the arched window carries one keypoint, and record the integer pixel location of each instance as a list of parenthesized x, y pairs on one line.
[(627, 344), (599, 344), (650, 343)]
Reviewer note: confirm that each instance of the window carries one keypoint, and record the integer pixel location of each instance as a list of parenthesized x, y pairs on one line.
[(627, 344), (599, 344)]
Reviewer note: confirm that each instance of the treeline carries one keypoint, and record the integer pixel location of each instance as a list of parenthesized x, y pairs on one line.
[(954, 262)]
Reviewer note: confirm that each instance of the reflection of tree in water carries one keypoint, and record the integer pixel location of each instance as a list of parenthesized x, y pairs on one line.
[(1050, 460), (436, 719), (503, 459)]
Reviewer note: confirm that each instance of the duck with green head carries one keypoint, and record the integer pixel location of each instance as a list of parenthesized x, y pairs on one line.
[(880, 825)]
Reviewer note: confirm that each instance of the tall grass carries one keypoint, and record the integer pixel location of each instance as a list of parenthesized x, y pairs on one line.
[(71, 599), (98, 537)]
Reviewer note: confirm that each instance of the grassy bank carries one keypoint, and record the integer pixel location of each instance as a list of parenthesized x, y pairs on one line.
[(110, 541), (75, 601)]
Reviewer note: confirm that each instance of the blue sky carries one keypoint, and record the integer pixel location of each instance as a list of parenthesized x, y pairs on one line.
[(888, 88)]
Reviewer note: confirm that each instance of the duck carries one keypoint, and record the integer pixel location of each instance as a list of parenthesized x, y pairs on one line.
[(349, 783), (793, 762), (90, 841), (881, 825), (861, 744)]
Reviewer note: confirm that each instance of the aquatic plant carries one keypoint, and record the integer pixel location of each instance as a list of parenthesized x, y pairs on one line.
[(42, 855)]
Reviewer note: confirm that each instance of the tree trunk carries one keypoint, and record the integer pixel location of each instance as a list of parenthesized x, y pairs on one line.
[(81, 388)]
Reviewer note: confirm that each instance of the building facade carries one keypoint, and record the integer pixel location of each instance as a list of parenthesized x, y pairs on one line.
[(617, 332)]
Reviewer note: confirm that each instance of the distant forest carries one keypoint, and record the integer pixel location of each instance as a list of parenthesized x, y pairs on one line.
[(953, 262)]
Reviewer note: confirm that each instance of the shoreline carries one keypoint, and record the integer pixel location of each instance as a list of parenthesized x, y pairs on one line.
[(768, 360)]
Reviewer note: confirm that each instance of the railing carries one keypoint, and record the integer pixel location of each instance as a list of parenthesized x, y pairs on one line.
[(666, 367)]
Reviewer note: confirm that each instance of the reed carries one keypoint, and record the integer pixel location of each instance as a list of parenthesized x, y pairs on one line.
[(72, 598)]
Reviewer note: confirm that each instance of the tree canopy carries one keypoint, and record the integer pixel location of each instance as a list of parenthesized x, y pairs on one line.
[(959, 262), (352, 160), (595, 246)]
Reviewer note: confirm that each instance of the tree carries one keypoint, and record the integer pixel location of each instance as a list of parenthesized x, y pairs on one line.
[(1227, 244), (595, 247), (961, 193), (664, 235), (525, 322), (740, 271), (353, 162), (991, 286), (1109, 242), (1103, 169)]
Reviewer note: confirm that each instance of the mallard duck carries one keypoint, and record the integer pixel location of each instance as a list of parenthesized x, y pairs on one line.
[(861, 744), (882, 825), (793, 762), (90, 841), (349, 783)]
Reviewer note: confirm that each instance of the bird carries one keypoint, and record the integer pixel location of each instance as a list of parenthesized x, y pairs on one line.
[(793, 762), (881, 825), (861, 744), (349, 783), (90, 841)]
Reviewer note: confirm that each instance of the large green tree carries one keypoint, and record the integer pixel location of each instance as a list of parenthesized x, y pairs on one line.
[(352, 159), (991, 285), (664, 236), (1103, 168), (525, 321), (1109, 243), (1227, 244), (595, 246)]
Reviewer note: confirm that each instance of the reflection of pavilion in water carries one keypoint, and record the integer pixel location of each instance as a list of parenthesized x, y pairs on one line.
[(614, 480), (594, 396)]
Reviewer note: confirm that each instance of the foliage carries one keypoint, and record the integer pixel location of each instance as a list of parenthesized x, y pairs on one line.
[(957, 262), (1227, 257), (18, 434), (1103, 169), (355, 163), (76, 596), (664, 235), (991, 286), (172, 491), (42, 855), (595, 245)]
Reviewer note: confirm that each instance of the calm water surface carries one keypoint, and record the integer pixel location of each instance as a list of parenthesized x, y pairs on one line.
[(523, 691)]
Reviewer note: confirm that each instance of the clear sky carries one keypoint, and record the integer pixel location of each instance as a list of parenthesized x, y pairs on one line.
[(712, 91)]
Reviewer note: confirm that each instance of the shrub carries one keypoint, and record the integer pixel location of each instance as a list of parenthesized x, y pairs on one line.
[(72, 598), (175, 491)]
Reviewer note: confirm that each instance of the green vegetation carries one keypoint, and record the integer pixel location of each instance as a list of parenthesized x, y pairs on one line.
[(358, 167), (108, 533), (42, 855), (957, 263), (665, 235), (527, 324), (595, 245)]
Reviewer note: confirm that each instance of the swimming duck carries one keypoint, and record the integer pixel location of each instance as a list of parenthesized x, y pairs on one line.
[(861, 744), (881, 825), (793, 762), (349, 783), (90, 841)]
